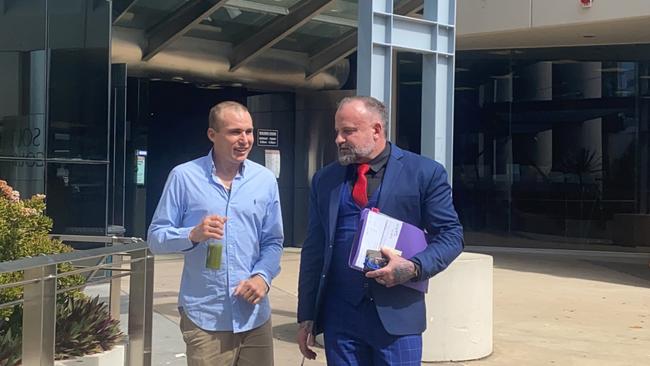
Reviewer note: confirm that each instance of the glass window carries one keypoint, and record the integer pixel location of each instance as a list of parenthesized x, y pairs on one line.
[(22, 104), (313, 37), (22, 79), (76, 198), (27, 177), (22, 25), (549, 145), (230, 24), (346, 9), (145, 14), (282, 3), (79, 79)]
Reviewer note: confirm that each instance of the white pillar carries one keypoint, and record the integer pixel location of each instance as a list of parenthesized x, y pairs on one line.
[(459, 311)]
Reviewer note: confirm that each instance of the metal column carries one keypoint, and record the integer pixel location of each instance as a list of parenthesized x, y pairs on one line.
[(140, 308), (381, 33), (39, 316)]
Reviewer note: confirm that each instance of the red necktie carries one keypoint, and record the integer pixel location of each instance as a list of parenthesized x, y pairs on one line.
[(360, 189)]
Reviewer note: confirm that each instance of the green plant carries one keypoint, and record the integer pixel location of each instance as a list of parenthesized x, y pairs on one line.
[(24, 230), (84, 326), (582, 162), (10, 348), (10, 338)]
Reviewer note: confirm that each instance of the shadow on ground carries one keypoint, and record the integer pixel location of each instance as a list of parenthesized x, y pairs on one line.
[(630, 274)]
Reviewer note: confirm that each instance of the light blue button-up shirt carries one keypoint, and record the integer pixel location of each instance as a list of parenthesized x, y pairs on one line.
[(252, 242)]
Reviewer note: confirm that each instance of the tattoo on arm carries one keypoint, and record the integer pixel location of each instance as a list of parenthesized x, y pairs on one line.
[(404, 272)]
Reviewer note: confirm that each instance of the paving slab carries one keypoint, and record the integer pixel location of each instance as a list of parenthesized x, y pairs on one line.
[(548, 310)]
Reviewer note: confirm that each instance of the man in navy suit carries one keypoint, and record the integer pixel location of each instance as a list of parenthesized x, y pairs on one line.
[(370, 319)]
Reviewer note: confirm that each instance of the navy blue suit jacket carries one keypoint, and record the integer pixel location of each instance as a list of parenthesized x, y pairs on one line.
[(414, 190)]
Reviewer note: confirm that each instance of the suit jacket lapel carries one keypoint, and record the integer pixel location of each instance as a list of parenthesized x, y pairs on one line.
[(335, 198), (391, 175)]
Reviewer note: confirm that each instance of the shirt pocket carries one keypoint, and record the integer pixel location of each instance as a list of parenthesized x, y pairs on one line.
[(259, 209)]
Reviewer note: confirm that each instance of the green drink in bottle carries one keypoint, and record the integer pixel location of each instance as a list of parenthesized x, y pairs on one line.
[(213, 259)]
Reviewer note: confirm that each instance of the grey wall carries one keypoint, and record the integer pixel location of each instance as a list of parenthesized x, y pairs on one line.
[(505, 15), (314, 146), (277, 111), (305, 122)]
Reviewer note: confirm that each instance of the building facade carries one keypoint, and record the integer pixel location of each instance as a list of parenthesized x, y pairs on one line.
[(551, 110)]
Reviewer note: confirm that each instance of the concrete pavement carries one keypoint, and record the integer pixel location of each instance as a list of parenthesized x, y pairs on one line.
[(548, 310)]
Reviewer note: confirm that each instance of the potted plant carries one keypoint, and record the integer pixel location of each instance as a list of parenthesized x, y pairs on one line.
[(84, 327)]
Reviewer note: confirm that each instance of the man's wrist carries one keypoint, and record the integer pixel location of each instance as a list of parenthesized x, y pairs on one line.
[(268, 286), (189, 236), (417, 271)]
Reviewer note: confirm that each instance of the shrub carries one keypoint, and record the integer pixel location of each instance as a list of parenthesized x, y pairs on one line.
[(24, 230), (83, 325)]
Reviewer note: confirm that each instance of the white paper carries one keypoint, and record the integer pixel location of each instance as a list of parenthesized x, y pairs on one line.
[(380, 231), (272, 161)]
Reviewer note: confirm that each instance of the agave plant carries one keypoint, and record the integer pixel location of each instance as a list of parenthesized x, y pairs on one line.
[(10, 348), (10, 338), (84, 326)]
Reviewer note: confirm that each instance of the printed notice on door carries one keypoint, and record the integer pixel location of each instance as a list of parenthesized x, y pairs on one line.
[(272, 161)]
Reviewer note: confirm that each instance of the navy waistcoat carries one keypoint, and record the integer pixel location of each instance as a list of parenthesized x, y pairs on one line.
[(345, 282)]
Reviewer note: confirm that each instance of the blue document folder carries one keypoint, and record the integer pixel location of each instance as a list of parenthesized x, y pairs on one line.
[(377, 230)]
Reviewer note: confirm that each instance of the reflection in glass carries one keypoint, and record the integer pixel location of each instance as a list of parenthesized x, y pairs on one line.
[(313, 37), (22, 25), (22, 103), (76, 198), (78, 79), (27, 177), (549, 151), (230, 24), (145, 14)]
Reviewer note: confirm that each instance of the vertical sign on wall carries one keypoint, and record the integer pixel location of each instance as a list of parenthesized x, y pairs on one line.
[(267, 138), (140, 163)]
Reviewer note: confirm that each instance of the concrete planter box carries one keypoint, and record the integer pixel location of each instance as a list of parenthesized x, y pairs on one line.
[(114, 357)]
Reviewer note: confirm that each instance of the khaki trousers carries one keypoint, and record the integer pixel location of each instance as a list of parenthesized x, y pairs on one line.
[(206, 348)]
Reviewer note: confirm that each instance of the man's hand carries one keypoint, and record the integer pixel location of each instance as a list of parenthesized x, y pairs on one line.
[(211, 227), (306, 339), (397, 271), (252, 290)]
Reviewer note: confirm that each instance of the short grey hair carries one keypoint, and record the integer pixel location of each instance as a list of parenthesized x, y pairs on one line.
[(371, 104), (215, 112)]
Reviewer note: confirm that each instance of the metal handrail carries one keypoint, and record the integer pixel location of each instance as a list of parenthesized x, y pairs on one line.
[(97, 239), (40, 289), (45, 260)]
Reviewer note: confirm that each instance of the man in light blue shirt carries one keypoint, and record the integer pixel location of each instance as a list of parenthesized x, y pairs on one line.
[(222, 212)]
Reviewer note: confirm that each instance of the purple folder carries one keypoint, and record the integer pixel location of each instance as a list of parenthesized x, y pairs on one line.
[(410, 241)]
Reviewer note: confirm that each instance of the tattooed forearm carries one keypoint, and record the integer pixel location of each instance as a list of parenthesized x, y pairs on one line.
[(403, 272)]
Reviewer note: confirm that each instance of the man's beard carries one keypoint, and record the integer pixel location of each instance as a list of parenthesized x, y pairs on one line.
[(348, 154)]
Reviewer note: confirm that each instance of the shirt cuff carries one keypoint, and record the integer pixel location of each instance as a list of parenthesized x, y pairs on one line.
[(185, 233), (266, 281), (418, 270)]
